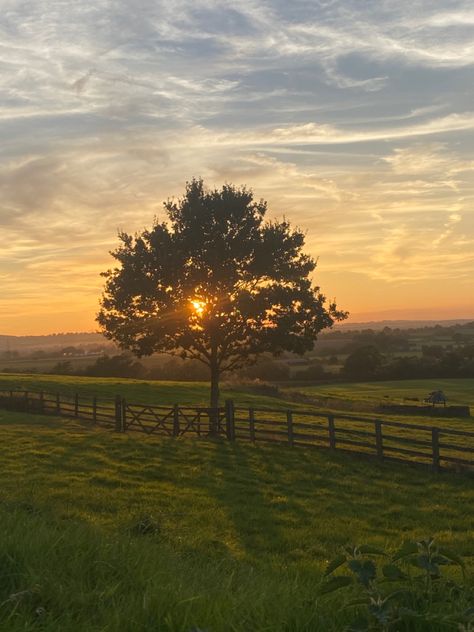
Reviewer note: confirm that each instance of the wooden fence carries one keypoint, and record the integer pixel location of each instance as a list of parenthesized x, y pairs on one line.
[(379, 438)]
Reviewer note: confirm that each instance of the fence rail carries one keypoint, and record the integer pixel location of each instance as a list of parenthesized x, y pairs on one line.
[(384, 440)]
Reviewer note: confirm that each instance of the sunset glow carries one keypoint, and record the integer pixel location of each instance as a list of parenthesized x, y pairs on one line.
[(354, 120), (198, 307)]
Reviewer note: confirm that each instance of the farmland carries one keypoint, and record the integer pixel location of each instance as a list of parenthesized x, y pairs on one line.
[(457, 391), (236, 536), (106, 531)]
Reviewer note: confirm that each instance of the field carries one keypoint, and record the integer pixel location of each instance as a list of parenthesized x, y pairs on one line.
[(457, 391), (106, 532)]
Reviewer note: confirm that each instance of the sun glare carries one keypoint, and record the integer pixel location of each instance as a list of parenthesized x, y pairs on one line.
[(198, 307)]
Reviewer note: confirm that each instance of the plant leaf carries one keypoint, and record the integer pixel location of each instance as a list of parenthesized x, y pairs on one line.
[(392, 572), (364, 569), (408, 548), (335, 583), (450, 555), (362, 601), (333, 564), (367, 549)]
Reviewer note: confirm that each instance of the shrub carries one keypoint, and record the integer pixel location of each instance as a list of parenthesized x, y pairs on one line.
[(404, 592)]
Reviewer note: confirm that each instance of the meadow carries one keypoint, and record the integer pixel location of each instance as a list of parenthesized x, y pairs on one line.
[(105, 532), (121, 532), (458, 391)]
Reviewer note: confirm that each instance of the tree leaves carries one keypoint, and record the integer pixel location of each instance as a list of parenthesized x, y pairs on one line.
[(215, 248)]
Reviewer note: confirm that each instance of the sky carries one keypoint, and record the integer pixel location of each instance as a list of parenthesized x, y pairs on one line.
[(354, 120)]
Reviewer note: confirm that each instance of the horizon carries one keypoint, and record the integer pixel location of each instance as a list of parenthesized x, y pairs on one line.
[(346, 324), (354, 122)]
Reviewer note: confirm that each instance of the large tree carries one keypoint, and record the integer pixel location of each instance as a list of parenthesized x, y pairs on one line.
[(216, 282)]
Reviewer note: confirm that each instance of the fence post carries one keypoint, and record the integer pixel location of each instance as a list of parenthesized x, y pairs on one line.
[(41, 400), (58, 404), (289, 422), (378, 438), (26, 402), (176, 420), (229, 419), (76, 405), (332, 432), (118, 413), (124, 414), (435, 447), (252, 424), (94, 409)]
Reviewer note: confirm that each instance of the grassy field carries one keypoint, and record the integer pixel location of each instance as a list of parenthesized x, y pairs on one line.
[(362, 400), (140, 391), (457, 391), (107, 532)]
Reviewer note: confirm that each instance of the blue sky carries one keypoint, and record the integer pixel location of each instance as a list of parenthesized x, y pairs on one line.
[(353, 119)]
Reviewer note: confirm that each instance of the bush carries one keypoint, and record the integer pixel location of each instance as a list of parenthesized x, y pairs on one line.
[(314, 372), (404, 592), (363, 363), (116, 366)]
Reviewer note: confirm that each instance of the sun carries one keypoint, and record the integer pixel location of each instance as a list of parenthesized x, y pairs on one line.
[(198, 307)]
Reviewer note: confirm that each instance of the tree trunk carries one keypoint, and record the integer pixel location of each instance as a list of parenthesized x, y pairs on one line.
[(214, 401)]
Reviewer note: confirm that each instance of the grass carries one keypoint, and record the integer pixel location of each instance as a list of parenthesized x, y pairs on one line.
[(362, 399), (139, 391), (458, 391), (239, 534)]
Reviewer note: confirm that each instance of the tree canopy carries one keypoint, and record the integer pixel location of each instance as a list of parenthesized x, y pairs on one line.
[(215, 282)]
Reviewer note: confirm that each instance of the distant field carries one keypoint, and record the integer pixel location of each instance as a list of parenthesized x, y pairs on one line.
[(238, 535), (141, 391), (46, 364), (457, 391)]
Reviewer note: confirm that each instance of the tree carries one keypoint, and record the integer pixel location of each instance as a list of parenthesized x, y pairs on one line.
[(216, 283), (363, 363), (115, 366)]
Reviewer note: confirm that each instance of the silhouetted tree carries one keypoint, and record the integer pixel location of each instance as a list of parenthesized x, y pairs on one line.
[(363, 363), (266, 369), (216, 283), (115, 366)]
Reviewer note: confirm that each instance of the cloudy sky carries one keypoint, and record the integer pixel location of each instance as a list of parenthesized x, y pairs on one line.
[(353, 119)]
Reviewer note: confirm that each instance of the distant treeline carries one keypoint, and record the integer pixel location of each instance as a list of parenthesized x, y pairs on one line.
[(396, 340), (435, 361), (364, 363), (428, 352)]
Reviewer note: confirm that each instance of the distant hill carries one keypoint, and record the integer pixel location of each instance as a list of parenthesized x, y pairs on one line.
[(34, 343), (52, 341), (401, 324)]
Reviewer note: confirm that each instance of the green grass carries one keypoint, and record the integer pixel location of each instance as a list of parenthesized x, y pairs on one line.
[(362, 399), (458, 391), (138, 391), (45, 364), (242, 532)]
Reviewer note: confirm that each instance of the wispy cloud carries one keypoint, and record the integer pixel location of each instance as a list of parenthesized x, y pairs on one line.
[(353, 119)]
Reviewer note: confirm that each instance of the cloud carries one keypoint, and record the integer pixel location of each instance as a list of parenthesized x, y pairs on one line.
[(353, 119)]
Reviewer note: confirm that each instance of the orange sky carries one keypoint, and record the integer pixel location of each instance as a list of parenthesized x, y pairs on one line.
[(354, 120)]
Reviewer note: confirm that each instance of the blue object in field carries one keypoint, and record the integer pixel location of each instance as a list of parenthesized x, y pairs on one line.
[(436, 397)]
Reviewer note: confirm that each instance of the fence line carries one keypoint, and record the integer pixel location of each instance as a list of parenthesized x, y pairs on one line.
[(384, 440)]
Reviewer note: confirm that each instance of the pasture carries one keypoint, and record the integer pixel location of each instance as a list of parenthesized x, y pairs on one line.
[(458, 391), (111, 532), (102, 531)]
